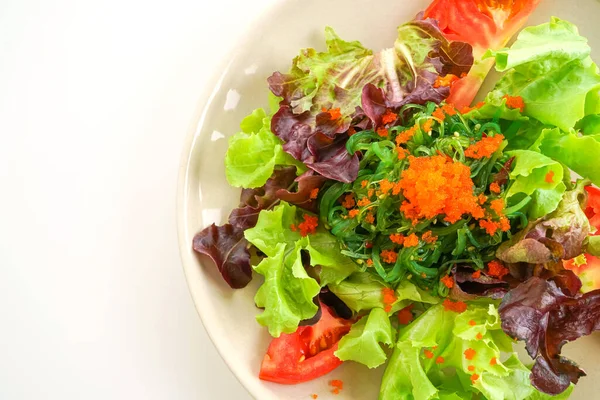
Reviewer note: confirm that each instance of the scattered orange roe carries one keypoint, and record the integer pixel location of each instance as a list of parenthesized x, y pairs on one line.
[(370, 193), (439, 360), (397, 189), (423, 275), (389, 298), (456, 306), (493, 361), (516, 102), (549, 177), (496, 269), (491, 227), (504, 224), (382, 132), (369, 218), (334, 113), (314, 193), (349, 201), (389, 256), (385, 186), (351, 131), (497, 205), (445, 81), (447, 281), (397, 238), (495, 188), (437, 185), (476, 275), (485, 147), (353, 213), (468, 109), (472, 323), (369, 262), (428, 125), (364, 202), (482, 199), (441, 112), (314, 396), (429, 237), (479, 336), (470, 354), (474, 378), (364, 184), (389, 117), (336, 391), (471, 368), (405, 136), (294, 228), (402, 153), (411, 240), (337, 383), (309, 226), (405, 315), (428, 354)]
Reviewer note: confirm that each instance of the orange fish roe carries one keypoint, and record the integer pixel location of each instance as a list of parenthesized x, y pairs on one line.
[(389, 298), (441, 112), (349, 201), (476, 275), (479, 336), (389, 117), (351, 131), (334, 113), (370, 193), (382, 132), (314, 193), (337, 383), (369, 262), (495, 188), (428, 125), (405, 136), (456, 306), (468, 109), (437, 185), (385, 186), (493, 361), (485, 147), (364, 184), (428, 354), (497, 270), (389, 256), (397, 238), (314, 396), (353, 213), (369, 218), (497, 205), (411, 240), (470, 354), (405, 315), (402, 153), (364, 202), (309, 226), (471, 368), (447, 281), (474, 378), (482, 199), (445, 81), (549, 177), (491, 227), (336, 391), (294, 228), (439, 360), (429, 237), (504, 224), (515, 102), (397, 189), (472, 323)]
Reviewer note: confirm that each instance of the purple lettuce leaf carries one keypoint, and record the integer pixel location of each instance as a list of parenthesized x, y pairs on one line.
[(546, 315)]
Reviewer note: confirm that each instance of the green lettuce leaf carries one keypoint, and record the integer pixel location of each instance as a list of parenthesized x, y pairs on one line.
[(363, 291), (531, 176), (254, 152), (589, 125), (550, 67), (362, 343), (288, 291), (579, 153), (416, 371)]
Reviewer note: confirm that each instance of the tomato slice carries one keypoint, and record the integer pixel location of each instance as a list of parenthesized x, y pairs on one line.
[(593, 207), (307, 353)]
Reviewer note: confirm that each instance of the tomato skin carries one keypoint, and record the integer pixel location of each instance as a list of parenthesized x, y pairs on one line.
[(307, 353), (593, 207)]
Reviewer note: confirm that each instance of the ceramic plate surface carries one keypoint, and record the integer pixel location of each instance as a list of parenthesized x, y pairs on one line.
[(205, 197)]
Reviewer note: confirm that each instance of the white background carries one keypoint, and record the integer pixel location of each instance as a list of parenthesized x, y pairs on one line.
[(95, 101)]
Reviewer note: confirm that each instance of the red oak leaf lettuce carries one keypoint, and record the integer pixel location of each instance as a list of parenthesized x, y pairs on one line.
[(546, 317)]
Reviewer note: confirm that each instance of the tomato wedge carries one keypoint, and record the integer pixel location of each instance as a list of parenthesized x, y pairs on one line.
[(307, 353)]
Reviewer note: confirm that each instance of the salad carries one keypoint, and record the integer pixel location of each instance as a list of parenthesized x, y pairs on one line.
[(399, 224)]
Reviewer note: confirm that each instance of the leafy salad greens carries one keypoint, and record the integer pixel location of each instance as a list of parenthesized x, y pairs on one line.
[(397, 224)]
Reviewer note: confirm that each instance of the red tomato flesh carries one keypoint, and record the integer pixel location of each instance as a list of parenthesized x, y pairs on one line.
[(307, 353)]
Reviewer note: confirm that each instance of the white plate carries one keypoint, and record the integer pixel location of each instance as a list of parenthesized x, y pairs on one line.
[(205, 197)]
